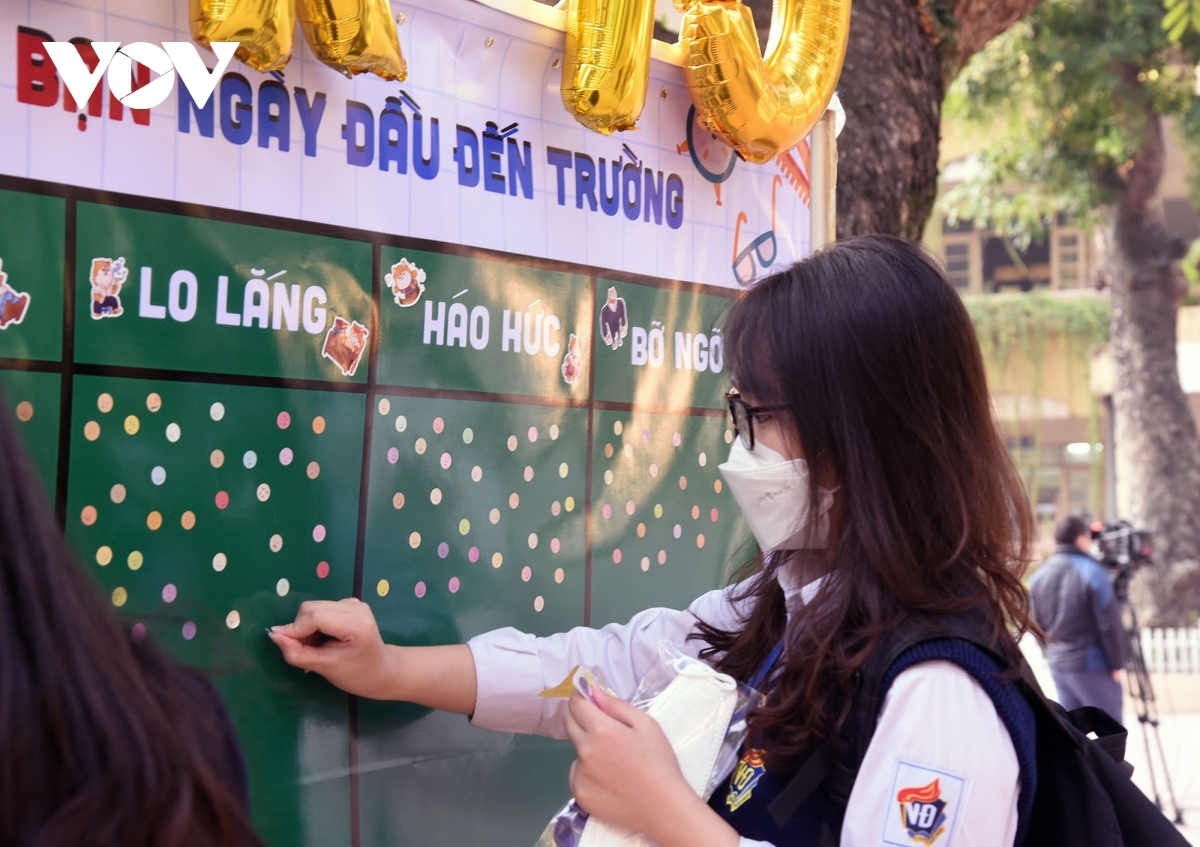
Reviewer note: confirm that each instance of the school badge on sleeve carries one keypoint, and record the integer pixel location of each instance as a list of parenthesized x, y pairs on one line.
[(925, 804), (745, 776)]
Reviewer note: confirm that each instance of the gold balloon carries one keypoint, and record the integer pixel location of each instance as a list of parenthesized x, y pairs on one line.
[(353, 36), (262, 28), (762, 107), (606, 66)]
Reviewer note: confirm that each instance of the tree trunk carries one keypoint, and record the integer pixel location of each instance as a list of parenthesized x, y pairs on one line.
[(1154, 426)]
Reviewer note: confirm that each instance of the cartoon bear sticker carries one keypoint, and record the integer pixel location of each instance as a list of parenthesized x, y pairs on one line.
[(407, 283), (106, 277), (614, 320), (344, 344)]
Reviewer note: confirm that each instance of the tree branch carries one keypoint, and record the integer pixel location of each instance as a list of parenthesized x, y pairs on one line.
[(980, 21)]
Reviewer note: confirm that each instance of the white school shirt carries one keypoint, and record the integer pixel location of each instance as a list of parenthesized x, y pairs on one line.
[(941, 768)]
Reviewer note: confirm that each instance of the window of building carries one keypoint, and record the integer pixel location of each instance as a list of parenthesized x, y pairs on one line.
[(958, 264), (1069, 258)]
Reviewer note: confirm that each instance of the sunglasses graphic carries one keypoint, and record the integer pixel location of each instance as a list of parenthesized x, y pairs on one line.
[(763, 248)]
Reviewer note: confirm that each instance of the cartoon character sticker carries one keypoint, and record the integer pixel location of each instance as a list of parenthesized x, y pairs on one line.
[(614, 321), (572, 363), (713, 158), (344, 344), (107, 276), (13, 304), (407, 282)]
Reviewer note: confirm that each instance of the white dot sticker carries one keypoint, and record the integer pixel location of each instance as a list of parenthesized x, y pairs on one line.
[(539, 603), (533, 541), (233, 620), (563, 470), (216, 411), (419, 446), (476, 473), (319, 533), (653, 471), (276, 543), (468, 435), (249, 459), (401, 423), (618, 427), (608, 477), (414, 540), (529, 473), (385, 405), (285, 456), (677, 439), (435, 496), (219, 562), (158, 475), (512, 443), (263, 493), (533, 434), (554, 432), (282, 587), (628, 449), (494, 516), (173, 432), (703, 459), (445, 461)]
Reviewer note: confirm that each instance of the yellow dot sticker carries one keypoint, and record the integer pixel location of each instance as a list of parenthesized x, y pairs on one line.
[(658, 510), (91, 430), (24, 411), (464, 526), (382, 588), (153, 401), (318, 424), (104, 556), (119, 596), (497, 560), (135, 560), (563, 470), (154, 520), (117, 493), (414, 540), (88, 515), (188, 519), (569, 504), (104, 403), (132, 425)]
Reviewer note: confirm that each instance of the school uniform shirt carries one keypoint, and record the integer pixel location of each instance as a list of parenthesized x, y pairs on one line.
[(940, 770)]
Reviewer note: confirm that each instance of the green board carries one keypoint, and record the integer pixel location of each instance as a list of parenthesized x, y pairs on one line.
[(247, 416)]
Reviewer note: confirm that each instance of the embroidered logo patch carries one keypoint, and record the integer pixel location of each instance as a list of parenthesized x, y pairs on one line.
[(745, 776), (926, 803)]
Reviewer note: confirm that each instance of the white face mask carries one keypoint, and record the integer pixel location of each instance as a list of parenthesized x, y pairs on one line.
[(773, 494)]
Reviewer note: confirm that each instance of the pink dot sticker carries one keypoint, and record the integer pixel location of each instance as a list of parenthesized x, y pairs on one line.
[(645, 436), (319, 533), (169, 593), (677, 531), (555, 545), (284, 420), (138, 632), (443, 550), (526, 573), (607, 511), (322, 570), (393, 455), (286, 456), (222, 499), (419, 590), (677, 439), (533, 434), (714, 514), (473, 555), (662, 557), (438, 425), (454, 584), (630, 507), (189, 631), (446, 460), (616, 557)]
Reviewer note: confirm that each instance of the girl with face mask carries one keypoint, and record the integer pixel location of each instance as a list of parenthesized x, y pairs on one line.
[(868, 466)]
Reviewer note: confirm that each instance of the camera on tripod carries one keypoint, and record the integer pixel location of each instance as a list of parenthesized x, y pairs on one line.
[(1121, 547)]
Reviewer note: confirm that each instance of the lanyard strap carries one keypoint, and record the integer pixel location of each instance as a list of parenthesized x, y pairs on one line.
[(757, 680)]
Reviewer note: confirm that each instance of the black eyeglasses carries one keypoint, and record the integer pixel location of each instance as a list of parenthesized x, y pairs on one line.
[(743, 416)]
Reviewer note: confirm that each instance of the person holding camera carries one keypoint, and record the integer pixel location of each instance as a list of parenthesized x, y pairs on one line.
[(1074, 603)]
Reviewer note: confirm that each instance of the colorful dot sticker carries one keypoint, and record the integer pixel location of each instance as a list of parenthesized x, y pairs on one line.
[(249, 459), (173, 432), (608, 477), (219, 562), (132, 425), (285, 456), (628, 450), (276, 543), (393, 455), (91, 430), (658, 510), (476, 473), (216, 411), (104, 556), (700, 540), (555, 508), (555, 545), (729, 436), (473, 555), (607, 511), (24, 411), (318, 425), (385, 407), (529, 473), (443, 550), (618, 427), (419, 589), (641, 530), (539, 603), (319, 533), (222, 499), (188, 630), (677, 439), (154, 521), (398, 500), (313, 470), (645, 563), (464, 526), (401, 423), (322, 570), (435, 496), (512, 443), (414, 540), (283, 420), (438, 426), (216, 458), (695, 512), (713, 515), (263, 493), (677, 531), (119, 596), (526, 574), (717, 486), (559, 575), (703, 459), (117, 493), (683, 483), (454, 585), (233, 620), (135, 560), (187, 520), (445, 461), (158, 475), (169, 593), (645, 436), (514, 500), (608, 451), (468, 435), (138, 632), (497, 560), (616, 557), (662, 557), (554, 432), (494, 516), (533, 540), (104, 403), (630, 507), (533, 434), (283, 587), (653, 471), (382, 587), (569, 504), (419, 446)]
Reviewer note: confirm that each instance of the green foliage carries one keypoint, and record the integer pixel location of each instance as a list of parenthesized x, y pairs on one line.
[(1008, 322), (1067, 94), (1181, 16)]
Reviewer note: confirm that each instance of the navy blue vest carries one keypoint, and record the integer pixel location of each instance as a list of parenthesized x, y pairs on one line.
[(743, 800)]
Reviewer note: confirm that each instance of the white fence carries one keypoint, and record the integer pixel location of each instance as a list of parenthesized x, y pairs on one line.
[(1172, 650)]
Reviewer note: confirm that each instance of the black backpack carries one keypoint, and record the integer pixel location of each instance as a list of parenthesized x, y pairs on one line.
[(1084, 795)]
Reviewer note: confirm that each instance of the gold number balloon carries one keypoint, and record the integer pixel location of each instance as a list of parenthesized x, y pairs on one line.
[(606, 66), (262, 28), (353, 36), (762, 107)]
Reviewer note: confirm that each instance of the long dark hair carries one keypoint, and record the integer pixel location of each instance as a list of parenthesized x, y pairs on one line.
[(103, 741), (871, 349)]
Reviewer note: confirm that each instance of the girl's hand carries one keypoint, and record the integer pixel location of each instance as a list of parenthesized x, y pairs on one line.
[(628, 775), (339, 640)]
